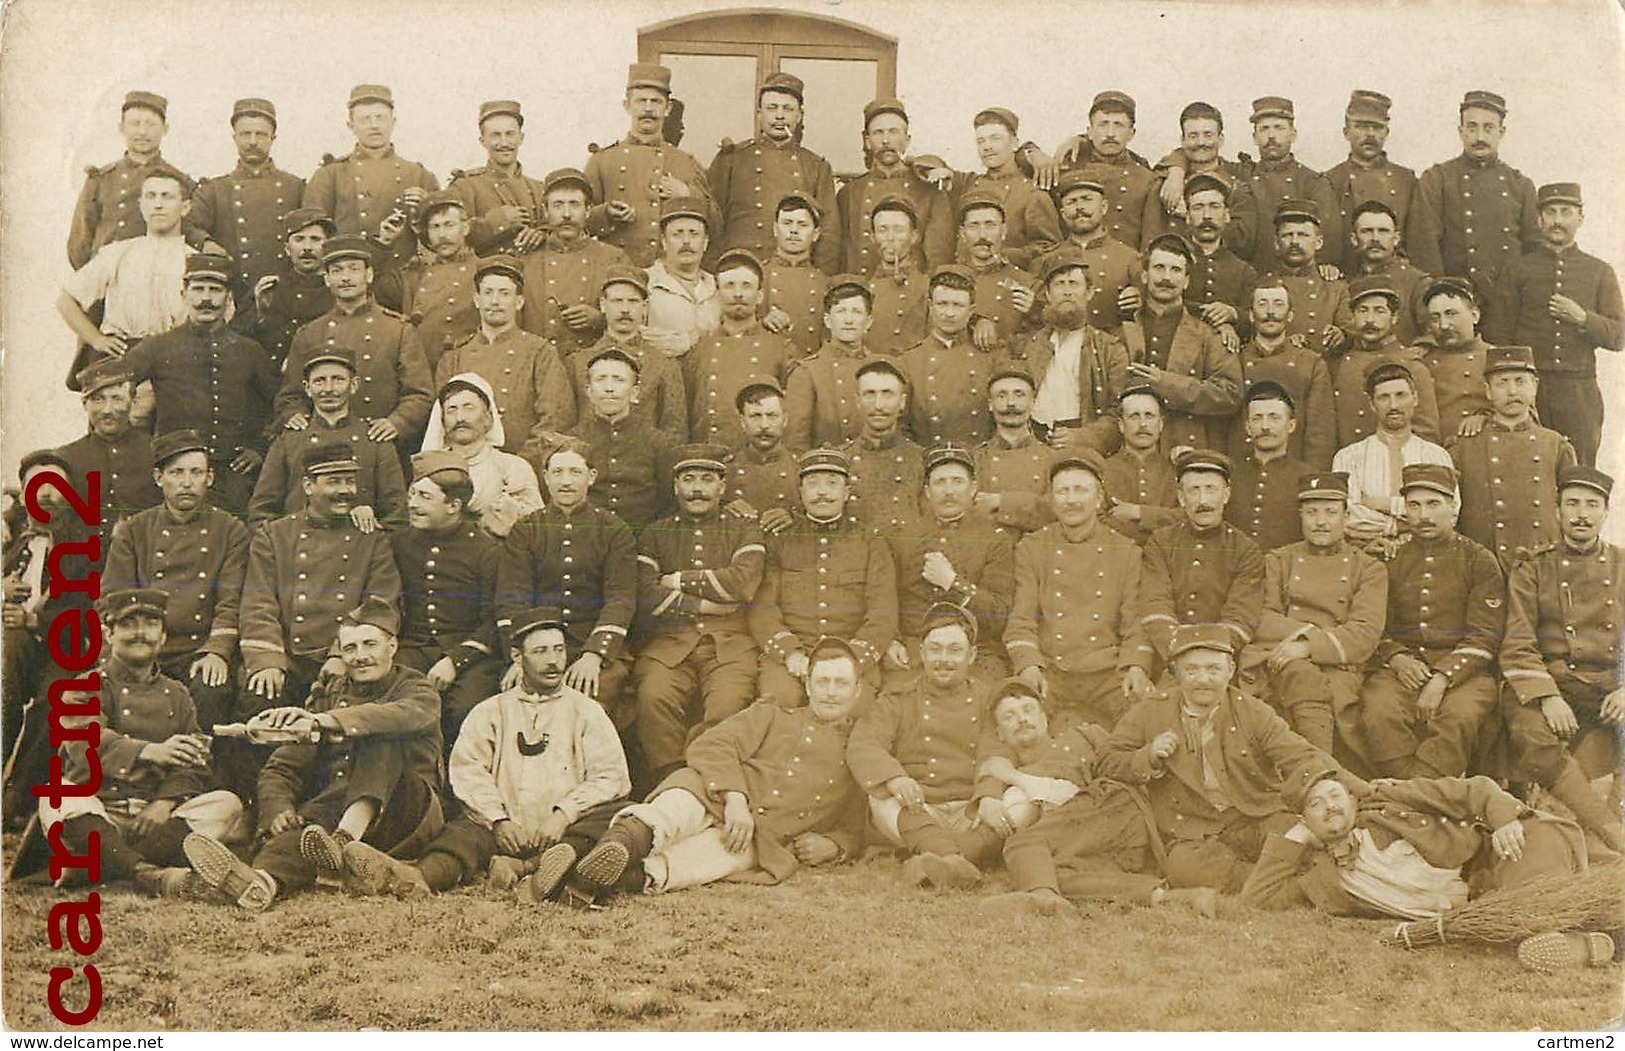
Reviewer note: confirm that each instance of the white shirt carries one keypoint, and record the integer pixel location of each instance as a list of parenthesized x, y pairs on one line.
[(1372, 471), (1397, 880), (1057, 397), (138, 281), (679, 315)]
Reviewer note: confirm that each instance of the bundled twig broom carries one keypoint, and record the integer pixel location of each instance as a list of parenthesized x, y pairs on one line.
[(1591, 900)]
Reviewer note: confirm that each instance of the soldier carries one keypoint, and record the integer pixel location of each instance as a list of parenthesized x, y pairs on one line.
[(1324, 604), (900, 287), (793, 288), (660, 399), (582, 559), (1134, 211), (448, 568), (750, 178), (1074, 632), (465, 421), (111, 447), (826, 575), (1031, 224), (295, 291), (1142, 491), (108, 207), (1012, 466), (1004, 291), (504, 206), (634, 177), (1228, 755), (1279, 176), (244, 211), (208, 378), (683, 301), (1181, 583), (1266, 477), (885, 143), (913, 751), (946, 371), (1455, 354), (1376, 501), (740, 351), (1114, 267), (887, 465), (762, 481), (632, 460), (439, 281), (534, 396), (566, 272), (1374, 230), (303, 572), (1375, 305), (698, 570), (1367, 175), (1473, 214), (951, 553), (1221, 282), (1320, 306), (1179, 356), (396, 383), (1560, 656), (1565, 304), (1509, 470), (821, 395), (1270, 356), (372, 191), (366, 767), (1201, 137), (1430, 685)]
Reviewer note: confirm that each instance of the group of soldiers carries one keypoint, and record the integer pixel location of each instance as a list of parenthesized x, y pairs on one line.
[(949, 510)]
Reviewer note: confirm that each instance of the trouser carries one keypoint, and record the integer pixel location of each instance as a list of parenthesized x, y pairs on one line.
[(668, 696), (1085, 697), (480, 679), (24, 664), (936, 828), (774, 682), (465, 847), (1097, 846), (1223, 859), (218, 814), (1539, 755), (688, 846), (1303, 691), (1398, 742), (1551, 847), (1572, 406)]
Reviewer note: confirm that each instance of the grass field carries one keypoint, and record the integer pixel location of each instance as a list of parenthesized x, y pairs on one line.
[(847, 949)]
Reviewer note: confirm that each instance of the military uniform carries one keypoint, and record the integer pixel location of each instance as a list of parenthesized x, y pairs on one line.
[(1458, 382), (821, 398), (243, 212), (125, 464), (484, 191), (947, 391), (1471, 219), (1356, 419), (1316, 303), (899, 311), (856, 200), (534, 393), (992, 299), (1303, 375), (293, 302), (887, 476), (661, 400), (360, 189), (1148, 482), (1353, 183), (1113, 266), (798, 290), (556, 278), (1201, 576), (1019, 476), (1134, 206), (1102, 375), (1411, 316), (715, 370), (631, 172), (1509, 487), (1273, 182), (1221, 276), (395, 381), (983, 560), (1032, 227), (767, 481), (749, 179), (634, 465), (109, 206), (440, 301), (1201, 380), (1264, 500)]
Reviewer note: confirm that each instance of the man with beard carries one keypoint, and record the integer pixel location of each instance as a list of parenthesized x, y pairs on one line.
[(120, 453), (885, 141), (295, 291), (1142, 491), (698, 570), (244, 210), (303, 572), (1367, 175), (372, 191), (465, 421), (1320, 307), (1031, 225), (1269, 356), (1221, 282), (821, 395), (1565, 304), (1178, 355), (913, 751), (886, 463), (1455, 354), (793, 287), (899, 285), (1374, 305), (1374, 234), (660, 400), (632, 460), (208, 378), (1074, 633), (740, 351), (1114, 267), (826, 575), (634, 177), (1134, 212), (951, 553), (566, 272), (1080, 369), (534, 398), (1474, 214), (683, 301), (750, 178), (1509, 469), (108, 208), (1265, 501), (1004, 292), (762, 481), (439, 281), (365, 766), (1430, 685), (504, 206), (1013, 465), (1373, 464), (946, 371)]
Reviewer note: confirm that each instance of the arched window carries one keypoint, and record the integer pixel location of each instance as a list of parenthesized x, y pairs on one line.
[(717, 59)]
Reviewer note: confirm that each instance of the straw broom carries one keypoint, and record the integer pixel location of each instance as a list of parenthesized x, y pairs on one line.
[(1590, 900)]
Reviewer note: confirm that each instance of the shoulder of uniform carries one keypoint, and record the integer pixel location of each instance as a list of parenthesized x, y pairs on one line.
[(328, 159), (95, 173), (397, 315), (466, 173), (1540, 549)]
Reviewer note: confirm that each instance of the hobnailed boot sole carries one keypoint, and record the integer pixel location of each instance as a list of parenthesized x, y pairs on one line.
[(603, 865), (374, 873), (1563, 950), (551, 868), (225, 871), (319, 847)]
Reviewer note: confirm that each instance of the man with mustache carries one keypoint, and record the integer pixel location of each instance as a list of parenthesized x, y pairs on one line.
[(465, 421), (1374, 305), (304, 571), (539, 772), (1074, 632), (698, 570), (566, 271), (1114, 267), (1474, 214), (108, 208), (683, 300), (1430, 685), (1320, 306), (364, 765), (504, 205), (208, 378), (1271, 356), (439, 280), (112, 447), (900, 286), (1141, 486), (295, 291), (1374, 464), (1201, 137), (1374, 230), (246, 208), (947, 373), (1005, 295), (634, 177), (885, 142), (1134, 211), (1031, 225), (1565, 304), (793, 287), (632, 460), (821, 394), (1221, 282), (1367, 175), (750, 178), (1012, 466), (1455, 353), (762, 481), (886, 463), (826, 575), (1509, 469), (1265, 501), (660, 400), (738, 352)]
